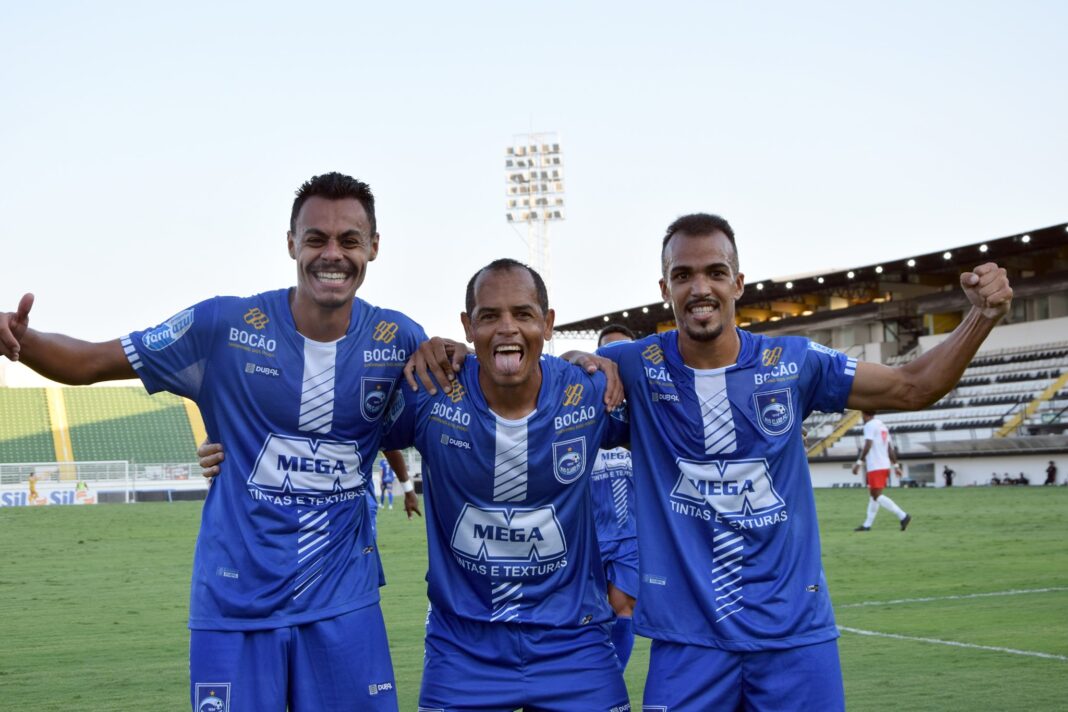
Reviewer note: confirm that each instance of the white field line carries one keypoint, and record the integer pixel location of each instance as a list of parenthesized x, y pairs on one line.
[(1015, 592), (954, 643)]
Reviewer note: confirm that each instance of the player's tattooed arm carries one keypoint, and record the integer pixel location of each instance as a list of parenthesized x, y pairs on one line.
[(435, 364), (613, 392)]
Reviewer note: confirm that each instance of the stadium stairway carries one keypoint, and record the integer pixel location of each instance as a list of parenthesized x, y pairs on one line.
[(837, 434), (1023, 413)]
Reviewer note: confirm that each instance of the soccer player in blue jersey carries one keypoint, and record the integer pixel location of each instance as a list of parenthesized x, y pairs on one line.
[(518, 613), (612, 487), (387, 483), (732, 588), (284, 608)]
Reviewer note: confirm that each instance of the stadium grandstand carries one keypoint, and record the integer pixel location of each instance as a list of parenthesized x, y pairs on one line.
[(1008, 414), (121, 442)]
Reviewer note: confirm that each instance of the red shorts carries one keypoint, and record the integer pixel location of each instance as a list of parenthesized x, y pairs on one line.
[(877, 479)]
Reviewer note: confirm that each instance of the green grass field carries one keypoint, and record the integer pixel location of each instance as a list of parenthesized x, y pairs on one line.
[(93, 602)]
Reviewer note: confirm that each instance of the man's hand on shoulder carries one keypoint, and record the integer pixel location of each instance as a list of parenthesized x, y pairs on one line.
[(13, 327), (435, 364), (592, 363), (987, 288)]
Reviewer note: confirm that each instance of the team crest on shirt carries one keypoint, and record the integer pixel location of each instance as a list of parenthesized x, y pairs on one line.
[(374, 395), (774, 410), (569, 459), (212, 697)]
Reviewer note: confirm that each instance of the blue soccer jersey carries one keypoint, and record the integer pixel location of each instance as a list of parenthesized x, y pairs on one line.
[(509, 524), (727, 535), (285, 535), (612, 487)]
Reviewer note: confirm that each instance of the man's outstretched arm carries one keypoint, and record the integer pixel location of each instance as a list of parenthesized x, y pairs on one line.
[(58, 357), (923, 381)]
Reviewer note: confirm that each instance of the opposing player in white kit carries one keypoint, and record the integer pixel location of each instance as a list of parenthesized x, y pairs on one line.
[(612, 486), (878, 456), (284, 606)]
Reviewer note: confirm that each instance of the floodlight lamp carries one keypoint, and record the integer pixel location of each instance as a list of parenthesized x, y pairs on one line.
[(983, 248), (911, 263), (606, 317), (947, 255), (626, 314), (666, 305), (851, 274), (819, 279), (789, 285), (1025, 239), (760, 285), (879, 270)]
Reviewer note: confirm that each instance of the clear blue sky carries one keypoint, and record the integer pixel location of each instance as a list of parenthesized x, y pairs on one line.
[(150, 152)]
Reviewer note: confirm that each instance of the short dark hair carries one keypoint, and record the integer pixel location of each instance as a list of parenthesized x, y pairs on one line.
[(614, 329), (698, 225), (506, 263), (334, 186)]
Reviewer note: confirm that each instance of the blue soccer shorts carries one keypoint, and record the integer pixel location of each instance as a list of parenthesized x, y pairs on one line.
[(499, 667), (620, 558), (692, 678), (339, 663)]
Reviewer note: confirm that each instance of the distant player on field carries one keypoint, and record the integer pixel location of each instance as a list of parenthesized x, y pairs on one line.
[(612, 486), (284, 607), (387, 484), (878, 456), (518, 615)]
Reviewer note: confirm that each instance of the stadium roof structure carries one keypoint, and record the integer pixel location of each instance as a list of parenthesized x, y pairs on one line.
[(897, 290)]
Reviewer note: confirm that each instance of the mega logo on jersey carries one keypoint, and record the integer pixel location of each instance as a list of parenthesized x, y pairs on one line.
[(509, 534), (374, 395), (304, 466), (168, 332), (739, 491)]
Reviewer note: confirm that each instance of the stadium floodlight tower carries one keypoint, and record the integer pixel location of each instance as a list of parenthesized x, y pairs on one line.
[(534, 180)]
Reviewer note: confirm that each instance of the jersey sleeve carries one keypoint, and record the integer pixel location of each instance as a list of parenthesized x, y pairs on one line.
[(870, 431), (172, 356), (828, 379), (400, 419), (617, 431)]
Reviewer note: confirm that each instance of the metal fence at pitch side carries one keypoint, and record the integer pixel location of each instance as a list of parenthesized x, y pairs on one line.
[(109, 481)]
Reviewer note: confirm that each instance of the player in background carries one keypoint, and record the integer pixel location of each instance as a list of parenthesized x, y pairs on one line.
[(612, 486), (284, 608), (518, 614), (387, 483), (878, 456)]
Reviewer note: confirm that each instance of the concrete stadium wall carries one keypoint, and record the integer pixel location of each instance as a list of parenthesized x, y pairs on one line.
[(971, 471), (1009, 335)]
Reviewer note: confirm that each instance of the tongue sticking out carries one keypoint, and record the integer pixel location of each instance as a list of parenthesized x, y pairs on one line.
[(507, 362)]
